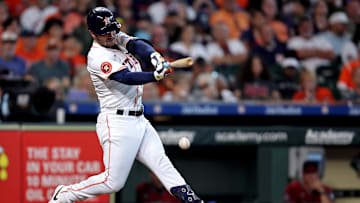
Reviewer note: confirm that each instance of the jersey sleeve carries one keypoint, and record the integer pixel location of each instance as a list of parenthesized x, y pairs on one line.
[(122, 39), (104, 68)]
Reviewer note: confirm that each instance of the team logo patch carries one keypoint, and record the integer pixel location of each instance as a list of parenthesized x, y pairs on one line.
[(106, 67)]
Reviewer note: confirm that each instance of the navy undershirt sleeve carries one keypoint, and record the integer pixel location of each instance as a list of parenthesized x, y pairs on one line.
[(133, 78), (141, 49)]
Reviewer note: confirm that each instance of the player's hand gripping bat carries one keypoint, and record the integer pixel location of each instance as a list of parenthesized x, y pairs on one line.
[(182, 63)]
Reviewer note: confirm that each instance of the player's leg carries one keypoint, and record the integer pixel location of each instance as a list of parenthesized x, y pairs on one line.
[(120, 138), (152, 154)]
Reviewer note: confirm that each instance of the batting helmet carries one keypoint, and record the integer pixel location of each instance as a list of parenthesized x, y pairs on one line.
[(100, 20)]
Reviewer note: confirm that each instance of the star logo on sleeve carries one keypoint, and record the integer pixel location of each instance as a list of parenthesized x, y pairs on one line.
[(106, 67)]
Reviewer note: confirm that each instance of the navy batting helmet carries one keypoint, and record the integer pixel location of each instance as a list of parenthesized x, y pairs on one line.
[(100, 20)]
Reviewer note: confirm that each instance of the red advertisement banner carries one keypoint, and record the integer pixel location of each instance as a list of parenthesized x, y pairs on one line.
[(52, 158), (10, 165)]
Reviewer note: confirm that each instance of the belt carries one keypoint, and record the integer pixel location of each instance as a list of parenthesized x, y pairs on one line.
[(130, 113)]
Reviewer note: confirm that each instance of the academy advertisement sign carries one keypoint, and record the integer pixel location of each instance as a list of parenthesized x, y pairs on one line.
[(329, 137), (251, 137), (272, 135)]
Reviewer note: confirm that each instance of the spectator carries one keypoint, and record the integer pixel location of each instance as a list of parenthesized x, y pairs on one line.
[(312, 51), (181, 88), (187, 45), (207, 84), (125, 12), (159, 38), (81, 88), (310, 188), (153, 191), (224, 50), (252, 36), (66, 12), (71, 53), (320, 17), (53, 84), (254, 81), (205, 88), (288, 82), (310, 92), (51, 66), (159, 10), (174, 24), (16, 7), (82, 6), (83, 36), (346, 83), (160, 41), (271, 50), (143, 26), (235, 19), (12, 25), (270, 10), (355, 94), (202, 5), (292, 12), (53, 30), (203, 9), (4, 14), (11, 66), (26, 48), (34, 17), (241, 3), (339, 39), (352, 10)]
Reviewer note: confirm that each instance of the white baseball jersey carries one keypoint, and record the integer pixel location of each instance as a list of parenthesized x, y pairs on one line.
[(102, 62)]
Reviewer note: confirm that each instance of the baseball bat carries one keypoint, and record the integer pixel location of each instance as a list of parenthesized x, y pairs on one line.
[(182, 63)]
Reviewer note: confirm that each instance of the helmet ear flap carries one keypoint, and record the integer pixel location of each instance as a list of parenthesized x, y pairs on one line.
[(117, 26)]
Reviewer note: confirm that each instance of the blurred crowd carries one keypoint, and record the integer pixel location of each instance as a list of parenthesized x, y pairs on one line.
[(304, 51)]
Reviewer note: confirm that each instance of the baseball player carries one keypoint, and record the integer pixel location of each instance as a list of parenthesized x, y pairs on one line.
[(123, 132)]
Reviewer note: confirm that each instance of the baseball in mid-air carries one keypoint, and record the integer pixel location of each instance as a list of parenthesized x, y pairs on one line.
[(184, 143)]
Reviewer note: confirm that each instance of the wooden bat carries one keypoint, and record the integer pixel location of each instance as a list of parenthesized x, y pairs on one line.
[(182, 63)]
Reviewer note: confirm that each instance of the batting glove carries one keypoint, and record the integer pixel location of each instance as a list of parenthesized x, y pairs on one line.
[(162, 67)]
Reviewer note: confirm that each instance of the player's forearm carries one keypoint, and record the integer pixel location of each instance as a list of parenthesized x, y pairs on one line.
[(133, 78), (141, 49)]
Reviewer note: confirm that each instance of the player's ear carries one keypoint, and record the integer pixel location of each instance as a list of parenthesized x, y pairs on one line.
[(92, 34)]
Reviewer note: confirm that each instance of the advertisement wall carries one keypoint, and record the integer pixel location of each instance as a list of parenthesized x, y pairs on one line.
[(10, 166), (38, 161)]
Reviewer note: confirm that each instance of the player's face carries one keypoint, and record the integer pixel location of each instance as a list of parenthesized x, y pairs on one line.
[(310, 178), (106, 40)]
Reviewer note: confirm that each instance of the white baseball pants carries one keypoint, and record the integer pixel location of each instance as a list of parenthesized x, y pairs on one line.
[(124, 138)]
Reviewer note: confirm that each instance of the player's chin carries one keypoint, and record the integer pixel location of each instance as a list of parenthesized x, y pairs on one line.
[(109, 43)]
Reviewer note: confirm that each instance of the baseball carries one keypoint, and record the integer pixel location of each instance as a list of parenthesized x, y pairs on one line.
[(184, 143)]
